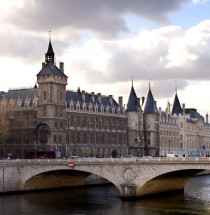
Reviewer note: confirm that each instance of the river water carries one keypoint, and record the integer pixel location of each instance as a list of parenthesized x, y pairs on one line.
[(104, 200)]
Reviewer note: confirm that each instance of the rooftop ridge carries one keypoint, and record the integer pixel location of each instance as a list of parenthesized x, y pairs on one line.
[(21, 88)]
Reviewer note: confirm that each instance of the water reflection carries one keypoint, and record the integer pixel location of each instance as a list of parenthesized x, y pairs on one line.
[(105, 201)]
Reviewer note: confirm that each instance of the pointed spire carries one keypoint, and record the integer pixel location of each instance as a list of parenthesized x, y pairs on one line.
[(176, 109), (50, 55), (132, 100), (150, 104)]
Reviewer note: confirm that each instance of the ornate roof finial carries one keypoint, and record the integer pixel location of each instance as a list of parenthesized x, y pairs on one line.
[(175, 87), (49, 36), (149, 83), (50, 55), (132, 81)]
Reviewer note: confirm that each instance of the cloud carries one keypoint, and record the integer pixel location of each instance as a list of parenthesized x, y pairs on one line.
[(200, 1), (25, 23), (102, 18), (165, 53)]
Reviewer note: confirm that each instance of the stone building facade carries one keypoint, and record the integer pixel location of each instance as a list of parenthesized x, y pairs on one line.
[(48, 117)]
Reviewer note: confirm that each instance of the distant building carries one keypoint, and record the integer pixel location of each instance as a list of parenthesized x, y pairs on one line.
[(48, 117)]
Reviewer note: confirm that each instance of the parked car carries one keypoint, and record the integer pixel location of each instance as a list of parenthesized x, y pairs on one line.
[(194, 155), (178, 155), (74, 157), (170, 155), (128, 156)]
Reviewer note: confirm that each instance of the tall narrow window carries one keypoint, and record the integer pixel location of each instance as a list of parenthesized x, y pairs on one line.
[(45, 95), (56, 111), (44, 111), (61, 96)]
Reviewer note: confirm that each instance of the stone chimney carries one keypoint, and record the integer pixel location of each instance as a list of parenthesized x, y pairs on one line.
[(155, 106), (43, 64), (207, 118), (62, 66), (93, 97), (183, 108), (138, 102), (83, 95), (142, 100), (110, 99), (120, 100)]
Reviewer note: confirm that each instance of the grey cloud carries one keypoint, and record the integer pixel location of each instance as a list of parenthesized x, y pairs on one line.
[(167, 88), (27, 48), (104, 18)]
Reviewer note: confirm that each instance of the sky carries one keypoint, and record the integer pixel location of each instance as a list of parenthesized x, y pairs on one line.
[(105, 44)]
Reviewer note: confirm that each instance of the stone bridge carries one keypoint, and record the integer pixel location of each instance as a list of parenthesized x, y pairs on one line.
[(132, 176)]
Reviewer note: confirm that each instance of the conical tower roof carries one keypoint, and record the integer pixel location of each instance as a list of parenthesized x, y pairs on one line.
[(149, 104), (132, 101), (176, 109)]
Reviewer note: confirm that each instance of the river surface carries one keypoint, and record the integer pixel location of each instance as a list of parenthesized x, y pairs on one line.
[(104, 200)]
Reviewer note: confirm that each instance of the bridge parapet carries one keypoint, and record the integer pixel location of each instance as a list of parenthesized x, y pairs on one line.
[(132, 176)]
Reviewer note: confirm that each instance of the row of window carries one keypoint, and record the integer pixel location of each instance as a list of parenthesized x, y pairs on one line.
[(96, 137), (169, 133), (96, 122), (96, 109)]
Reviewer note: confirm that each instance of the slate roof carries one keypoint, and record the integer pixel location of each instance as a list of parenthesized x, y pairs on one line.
[(51, 69), (2, 94), (22, 94), (206, 124), (193, 113), (176, 109), (75, 97), (189, 121), (132, 101), (149, 104), (164, 115)]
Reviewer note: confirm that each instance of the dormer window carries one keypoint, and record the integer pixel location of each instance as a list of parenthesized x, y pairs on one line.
[(78, 108), (71, 107), (35, 105)]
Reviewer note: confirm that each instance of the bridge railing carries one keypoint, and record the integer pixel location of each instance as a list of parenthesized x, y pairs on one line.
[(111, 160)]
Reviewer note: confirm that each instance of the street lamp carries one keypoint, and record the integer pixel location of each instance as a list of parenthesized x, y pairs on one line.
[(169, 143)]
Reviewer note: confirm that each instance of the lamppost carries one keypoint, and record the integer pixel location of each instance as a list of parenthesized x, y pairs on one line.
[(35, 149), (66, 151), (169, 143)]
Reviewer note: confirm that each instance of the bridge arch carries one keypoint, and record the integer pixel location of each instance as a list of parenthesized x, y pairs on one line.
[(59, 176), (167, 178)]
